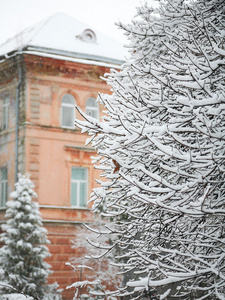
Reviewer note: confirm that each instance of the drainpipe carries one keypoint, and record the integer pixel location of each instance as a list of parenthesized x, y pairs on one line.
[(17, 120)]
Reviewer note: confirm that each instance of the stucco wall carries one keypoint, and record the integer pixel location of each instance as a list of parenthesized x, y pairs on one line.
[(47, 151)]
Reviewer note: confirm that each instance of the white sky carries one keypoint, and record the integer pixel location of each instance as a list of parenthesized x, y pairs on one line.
[(15, 15)]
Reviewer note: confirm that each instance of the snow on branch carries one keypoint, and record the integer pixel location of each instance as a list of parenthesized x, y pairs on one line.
[(161, 152)]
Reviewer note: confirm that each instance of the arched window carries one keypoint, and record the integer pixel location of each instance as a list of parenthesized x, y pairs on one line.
[(92, 108), (68, 111)]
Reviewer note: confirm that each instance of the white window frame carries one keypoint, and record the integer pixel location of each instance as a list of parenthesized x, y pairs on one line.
[(3, 187), (72, 110), (5, 113), (78, 201), (89, 110)]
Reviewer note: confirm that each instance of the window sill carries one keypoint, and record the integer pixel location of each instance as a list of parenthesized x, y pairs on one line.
[(70, 128), (65, 207), (51, 126), (6, 131)]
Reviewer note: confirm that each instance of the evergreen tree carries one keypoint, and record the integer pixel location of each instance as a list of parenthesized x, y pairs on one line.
[(161, 149), (22, 256)]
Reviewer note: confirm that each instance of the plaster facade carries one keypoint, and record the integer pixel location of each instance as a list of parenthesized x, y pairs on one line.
[(47, 151)]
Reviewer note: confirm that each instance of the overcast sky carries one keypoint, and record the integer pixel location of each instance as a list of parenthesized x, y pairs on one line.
[(15, 15)]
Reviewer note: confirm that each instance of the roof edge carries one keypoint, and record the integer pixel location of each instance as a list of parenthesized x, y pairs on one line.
[(74, 54), (65, 55)]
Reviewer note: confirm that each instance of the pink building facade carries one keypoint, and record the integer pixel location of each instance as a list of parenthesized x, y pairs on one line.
[(40, 84)]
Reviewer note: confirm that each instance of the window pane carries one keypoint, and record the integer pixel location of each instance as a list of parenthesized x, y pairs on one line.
[(79, 174), (73, 193), (92, 108), (91, 102), (5, 117), (4, 174), (67, 116), (68, 99), (6, 101), (79, 186), (83, 194), (92, 113), (4, 193), (68, 110), (3, 186)]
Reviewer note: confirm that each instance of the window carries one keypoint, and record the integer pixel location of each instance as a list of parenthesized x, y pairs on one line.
[(79, 186), (87, 35), (68, 111), (5, 111), (92, 108), (3, 186)]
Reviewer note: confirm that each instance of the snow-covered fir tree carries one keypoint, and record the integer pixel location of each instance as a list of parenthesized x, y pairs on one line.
[(161, 147), (24, 237)]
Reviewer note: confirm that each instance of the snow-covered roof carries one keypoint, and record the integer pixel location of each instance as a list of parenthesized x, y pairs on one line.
[(63, 35)]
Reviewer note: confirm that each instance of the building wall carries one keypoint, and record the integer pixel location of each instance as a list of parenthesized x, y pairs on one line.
[(47, 151), (8, 88), (12, 86), (61, 250), (50, 149)]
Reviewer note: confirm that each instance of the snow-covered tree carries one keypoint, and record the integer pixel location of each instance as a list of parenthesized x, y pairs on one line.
[(96, 272), (22, 256), (161, 147), (16, 297)]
